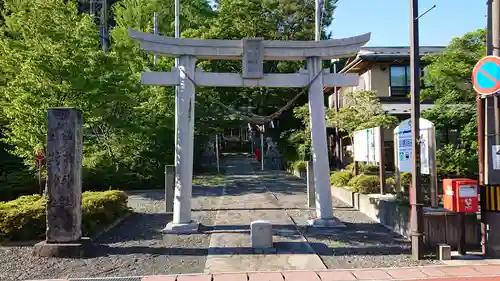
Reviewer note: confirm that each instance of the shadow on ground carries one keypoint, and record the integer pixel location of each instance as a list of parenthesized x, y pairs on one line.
[(356, 239)]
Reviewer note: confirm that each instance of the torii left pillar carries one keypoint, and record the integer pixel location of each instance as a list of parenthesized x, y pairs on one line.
[(184, 146)]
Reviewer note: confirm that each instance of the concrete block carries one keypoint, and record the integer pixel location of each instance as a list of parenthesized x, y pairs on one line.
[(261, 234), (443, 252)]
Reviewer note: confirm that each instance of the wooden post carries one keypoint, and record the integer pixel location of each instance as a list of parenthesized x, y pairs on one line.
[(311, 190), (217, 152), (262, 148), (397, 175), (356, 170)]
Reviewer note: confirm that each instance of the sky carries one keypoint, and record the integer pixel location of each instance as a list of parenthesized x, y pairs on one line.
[(388, 20)]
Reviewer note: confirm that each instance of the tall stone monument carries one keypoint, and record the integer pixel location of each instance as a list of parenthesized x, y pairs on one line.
[(64, 185)]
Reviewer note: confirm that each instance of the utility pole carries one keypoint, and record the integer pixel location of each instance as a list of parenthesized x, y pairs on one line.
[(104, 26), (99, 12), (492, 137), (155, 32), (416, 196), (177, 98), (480, 130), (317, 22)]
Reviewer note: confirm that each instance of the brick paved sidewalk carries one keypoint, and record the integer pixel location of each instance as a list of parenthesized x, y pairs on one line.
[(485, 272)]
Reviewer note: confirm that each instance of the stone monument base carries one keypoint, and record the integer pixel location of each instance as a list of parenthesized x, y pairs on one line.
[(326, 223), (75, 249), (181, 228)]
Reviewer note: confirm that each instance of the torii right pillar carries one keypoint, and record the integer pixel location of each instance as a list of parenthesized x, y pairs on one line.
[(321, 167)]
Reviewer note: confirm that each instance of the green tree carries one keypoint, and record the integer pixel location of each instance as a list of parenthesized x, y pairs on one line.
[(449, 83), (50, 57), (272, 20), (361, 110)]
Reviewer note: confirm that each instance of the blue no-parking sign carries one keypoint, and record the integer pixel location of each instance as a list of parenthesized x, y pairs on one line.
[(486, 75)]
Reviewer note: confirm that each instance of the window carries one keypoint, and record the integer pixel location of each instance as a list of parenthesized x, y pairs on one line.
[(400, 80)]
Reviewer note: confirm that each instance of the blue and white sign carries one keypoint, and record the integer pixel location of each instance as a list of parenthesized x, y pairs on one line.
[(403, 141), (366, 145)]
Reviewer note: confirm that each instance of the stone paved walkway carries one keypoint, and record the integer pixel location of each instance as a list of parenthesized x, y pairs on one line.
[(364, 243), (245, 201)]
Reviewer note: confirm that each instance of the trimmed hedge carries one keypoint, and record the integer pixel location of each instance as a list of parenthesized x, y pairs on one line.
[(25, 217), (364, 168), (299, 165), (340, 178), (365, 184)]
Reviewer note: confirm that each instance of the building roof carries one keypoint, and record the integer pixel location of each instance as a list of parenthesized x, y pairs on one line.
[(387, 54), (382, 52)]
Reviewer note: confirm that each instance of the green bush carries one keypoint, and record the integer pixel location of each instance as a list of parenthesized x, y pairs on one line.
[(405, 178), (14, 183), (25, 217), (365, 184), (363, 168), (299, 164), (340, 178), (390, 184), (369, 169), (350, 167)]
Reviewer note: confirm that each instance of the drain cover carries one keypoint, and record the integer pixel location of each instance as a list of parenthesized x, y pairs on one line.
[(108, 279)]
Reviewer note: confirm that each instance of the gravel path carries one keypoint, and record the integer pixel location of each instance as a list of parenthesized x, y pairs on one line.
[(134, 248), (364, 243)]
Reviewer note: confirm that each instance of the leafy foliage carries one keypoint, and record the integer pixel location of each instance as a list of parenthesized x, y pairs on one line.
[(448, 80), (340, 178), (50, 57), (365, 184), (25, 217), (361, 110)]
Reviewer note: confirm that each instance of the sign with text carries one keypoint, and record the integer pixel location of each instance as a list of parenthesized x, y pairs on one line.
[(366, 145), (253, 58), (403, 141)]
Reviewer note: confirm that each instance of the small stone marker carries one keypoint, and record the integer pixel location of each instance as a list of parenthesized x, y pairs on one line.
[(443, 252), (64, 183), (169, 188), (262, 236)]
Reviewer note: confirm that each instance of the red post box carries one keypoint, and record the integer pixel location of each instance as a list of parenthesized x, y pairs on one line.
[(460, 195)]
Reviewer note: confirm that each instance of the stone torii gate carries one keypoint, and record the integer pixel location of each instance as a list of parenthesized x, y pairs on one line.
[(253, 52)]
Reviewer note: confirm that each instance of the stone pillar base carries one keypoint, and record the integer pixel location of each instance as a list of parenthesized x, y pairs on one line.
[(326, 223), (75, 249), (181, 228)]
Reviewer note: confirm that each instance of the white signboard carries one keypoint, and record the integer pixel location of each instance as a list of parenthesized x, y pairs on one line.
[(467, 190), (403, 142), (366, 145)]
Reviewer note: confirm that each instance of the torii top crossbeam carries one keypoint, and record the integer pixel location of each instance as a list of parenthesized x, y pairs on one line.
[(234, 49)]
